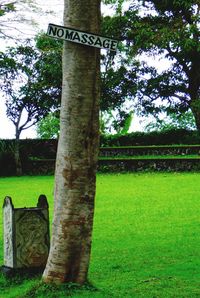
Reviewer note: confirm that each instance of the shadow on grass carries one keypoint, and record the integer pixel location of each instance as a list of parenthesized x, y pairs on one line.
[(14, 278), (39, 289), (55, 291), (9, 279)]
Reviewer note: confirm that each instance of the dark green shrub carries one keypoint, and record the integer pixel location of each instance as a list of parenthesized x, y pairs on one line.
[(7, 160), (169, 137)]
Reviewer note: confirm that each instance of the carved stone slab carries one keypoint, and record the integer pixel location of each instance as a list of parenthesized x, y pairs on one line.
[(8, 232), (26, 235)]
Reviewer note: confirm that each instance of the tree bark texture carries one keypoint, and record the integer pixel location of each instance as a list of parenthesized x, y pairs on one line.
[(18, 163), (75, 177), (193, 74)]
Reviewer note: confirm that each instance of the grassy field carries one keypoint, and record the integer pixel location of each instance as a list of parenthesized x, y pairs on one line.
[(146, 240)]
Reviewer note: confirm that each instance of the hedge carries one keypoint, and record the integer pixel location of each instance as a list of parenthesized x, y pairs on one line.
[(179, 136), (39, 149)]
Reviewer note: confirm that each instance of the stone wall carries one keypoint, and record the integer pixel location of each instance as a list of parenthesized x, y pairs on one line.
[(135, 165), (149, 150), (39, 158), (44, 167)]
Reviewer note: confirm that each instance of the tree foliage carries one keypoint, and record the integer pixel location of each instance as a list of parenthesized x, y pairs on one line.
[(28, 99), (49, 65), (118, 87), (118, 78), (14, 13), (49, 127), (168, 29), (6, 7), (172, 122)]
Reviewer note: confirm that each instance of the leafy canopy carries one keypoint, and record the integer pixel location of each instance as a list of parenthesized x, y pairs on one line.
[(171, 30), (28, 99)]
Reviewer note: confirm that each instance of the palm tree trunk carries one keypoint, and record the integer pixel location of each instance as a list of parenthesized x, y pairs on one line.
[(75, 177)]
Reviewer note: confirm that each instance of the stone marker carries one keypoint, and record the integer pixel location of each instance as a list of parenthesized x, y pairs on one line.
[(26, 236)]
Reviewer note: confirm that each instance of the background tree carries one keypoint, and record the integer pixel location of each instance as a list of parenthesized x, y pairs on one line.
[(49, 65), (118, 81), (23, 88), (77, 151), (118, 89), (6, 7), (49, 127), (27, 99), (13, 13), (174, 121), (169, 29)]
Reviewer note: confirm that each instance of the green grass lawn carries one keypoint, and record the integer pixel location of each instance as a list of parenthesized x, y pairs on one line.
[(146, 240)]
